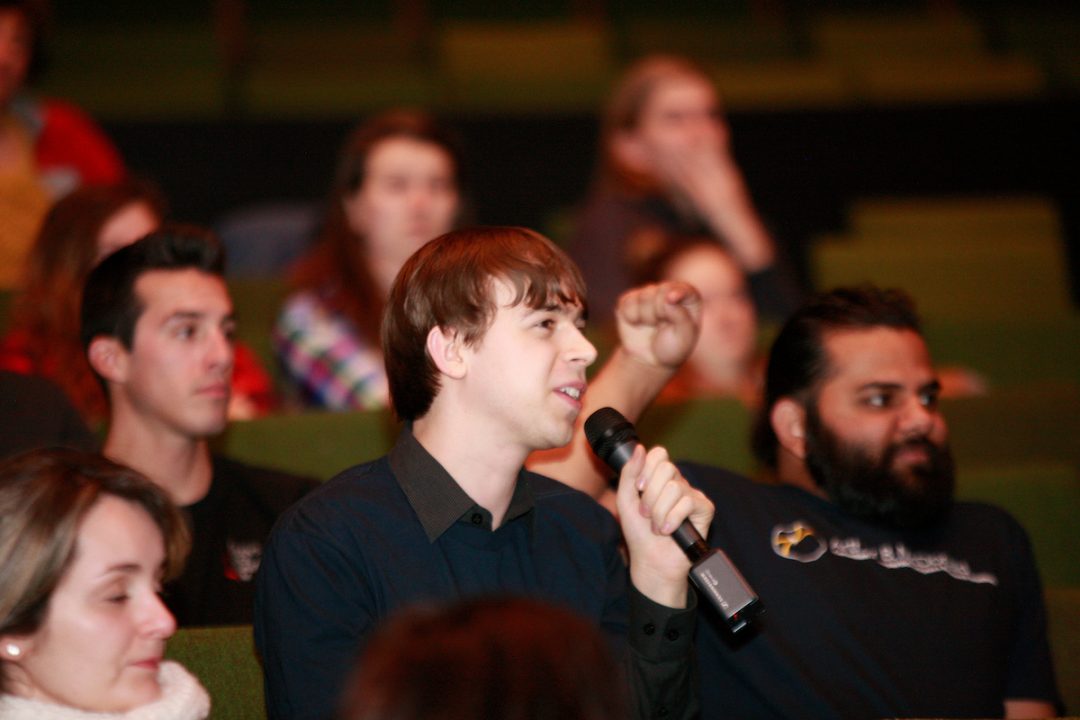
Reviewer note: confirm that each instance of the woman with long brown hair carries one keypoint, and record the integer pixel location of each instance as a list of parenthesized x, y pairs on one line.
[(396, 187)]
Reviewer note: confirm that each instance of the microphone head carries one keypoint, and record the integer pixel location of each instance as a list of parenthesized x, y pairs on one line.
[(607, 430)]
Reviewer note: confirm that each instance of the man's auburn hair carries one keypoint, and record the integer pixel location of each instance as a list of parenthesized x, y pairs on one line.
[(798, 361), (448, 283)]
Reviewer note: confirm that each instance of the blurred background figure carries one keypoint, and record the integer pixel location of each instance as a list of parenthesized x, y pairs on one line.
[(35, 413), (486, 658), (726, 360), (666, 166), (47, 147), (84, 548), (397, 186), (43, 338)]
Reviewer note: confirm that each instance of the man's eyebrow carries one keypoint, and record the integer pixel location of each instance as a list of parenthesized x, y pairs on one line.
[(932, 386), (196, 315), (879, 385)]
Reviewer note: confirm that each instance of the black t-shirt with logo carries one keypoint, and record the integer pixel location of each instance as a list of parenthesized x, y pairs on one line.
[(866, 621), (229, 527)]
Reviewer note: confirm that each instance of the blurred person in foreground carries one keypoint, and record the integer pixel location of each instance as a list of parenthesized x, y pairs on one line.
[(486, 657)]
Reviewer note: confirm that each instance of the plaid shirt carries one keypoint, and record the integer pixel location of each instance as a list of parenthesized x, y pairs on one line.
[(325, 355)]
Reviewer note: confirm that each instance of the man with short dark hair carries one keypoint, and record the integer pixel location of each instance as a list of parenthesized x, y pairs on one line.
[(157, 325), (486, 363), (883, 597)]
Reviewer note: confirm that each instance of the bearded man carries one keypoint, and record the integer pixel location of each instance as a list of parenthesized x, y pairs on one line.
[(883, 596)]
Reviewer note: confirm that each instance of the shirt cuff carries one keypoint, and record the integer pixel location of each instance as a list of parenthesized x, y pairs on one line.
[(658, 632)]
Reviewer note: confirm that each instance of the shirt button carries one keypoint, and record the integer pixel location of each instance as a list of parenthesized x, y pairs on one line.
[(477, 519), (649, 628), (672, 635), (661, 711)]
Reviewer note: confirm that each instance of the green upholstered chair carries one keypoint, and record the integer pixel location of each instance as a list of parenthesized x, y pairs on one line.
[(316, 444), (1035, 423), (1045, 498), (224, 660), (713, 431)]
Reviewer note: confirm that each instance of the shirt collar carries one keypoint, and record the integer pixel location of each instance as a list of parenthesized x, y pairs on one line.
[(435, 496)]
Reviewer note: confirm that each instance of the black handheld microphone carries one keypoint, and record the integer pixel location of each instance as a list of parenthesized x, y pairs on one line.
[(613, 439)]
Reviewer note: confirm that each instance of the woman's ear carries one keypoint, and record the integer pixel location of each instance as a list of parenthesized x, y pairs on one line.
[(788, 418), (444, 346)]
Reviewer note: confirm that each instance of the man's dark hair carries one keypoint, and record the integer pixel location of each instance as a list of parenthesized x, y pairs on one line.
[(798, 362), (110, 306)]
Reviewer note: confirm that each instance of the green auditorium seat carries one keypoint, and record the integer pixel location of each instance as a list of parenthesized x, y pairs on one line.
[(954, 278), (139, 70), (1009, 353), (224, 660), (1035, 423), (334, 67), (1045, 498), (317, 444), (990, 218), (714, 431), (540, 66), (256, 303)]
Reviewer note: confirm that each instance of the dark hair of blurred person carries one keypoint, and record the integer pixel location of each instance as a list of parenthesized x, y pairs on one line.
[(510, 658)]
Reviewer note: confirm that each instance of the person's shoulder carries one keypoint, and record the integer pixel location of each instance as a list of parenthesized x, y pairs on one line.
[(984, 518), (711, 477), (264, 481), (552, 496)]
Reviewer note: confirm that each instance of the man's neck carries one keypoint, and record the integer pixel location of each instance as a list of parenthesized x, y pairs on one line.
[(486, 472), (791, 470), (179, 465)]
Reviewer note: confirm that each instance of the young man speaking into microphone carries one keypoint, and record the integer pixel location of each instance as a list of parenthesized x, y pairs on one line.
[(486, 363)]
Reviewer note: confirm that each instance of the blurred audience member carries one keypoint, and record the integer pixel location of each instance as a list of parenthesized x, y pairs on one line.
[(79, 231), (47, 147), (84, 548), (157, 327), (396, 187), (726, 361), (486, 657), (35, 413), (666, 166)]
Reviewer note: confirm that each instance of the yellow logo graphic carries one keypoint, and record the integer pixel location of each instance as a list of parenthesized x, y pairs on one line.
[(797, 541)]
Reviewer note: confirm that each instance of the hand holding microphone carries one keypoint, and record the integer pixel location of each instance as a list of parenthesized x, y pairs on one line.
[(613, 439)]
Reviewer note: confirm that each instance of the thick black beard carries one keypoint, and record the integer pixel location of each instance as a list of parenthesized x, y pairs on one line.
[(870, 489)]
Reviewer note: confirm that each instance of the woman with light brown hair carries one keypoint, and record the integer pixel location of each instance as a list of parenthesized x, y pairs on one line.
[(666, 167), (84, 548)]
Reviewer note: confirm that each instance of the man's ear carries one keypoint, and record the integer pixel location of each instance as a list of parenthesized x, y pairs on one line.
[(109, 358), (788, 418), (444, 345)]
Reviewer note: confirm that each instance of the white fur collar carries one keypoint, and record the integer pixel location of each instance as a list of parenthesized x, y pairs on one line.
[(182, 698)]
